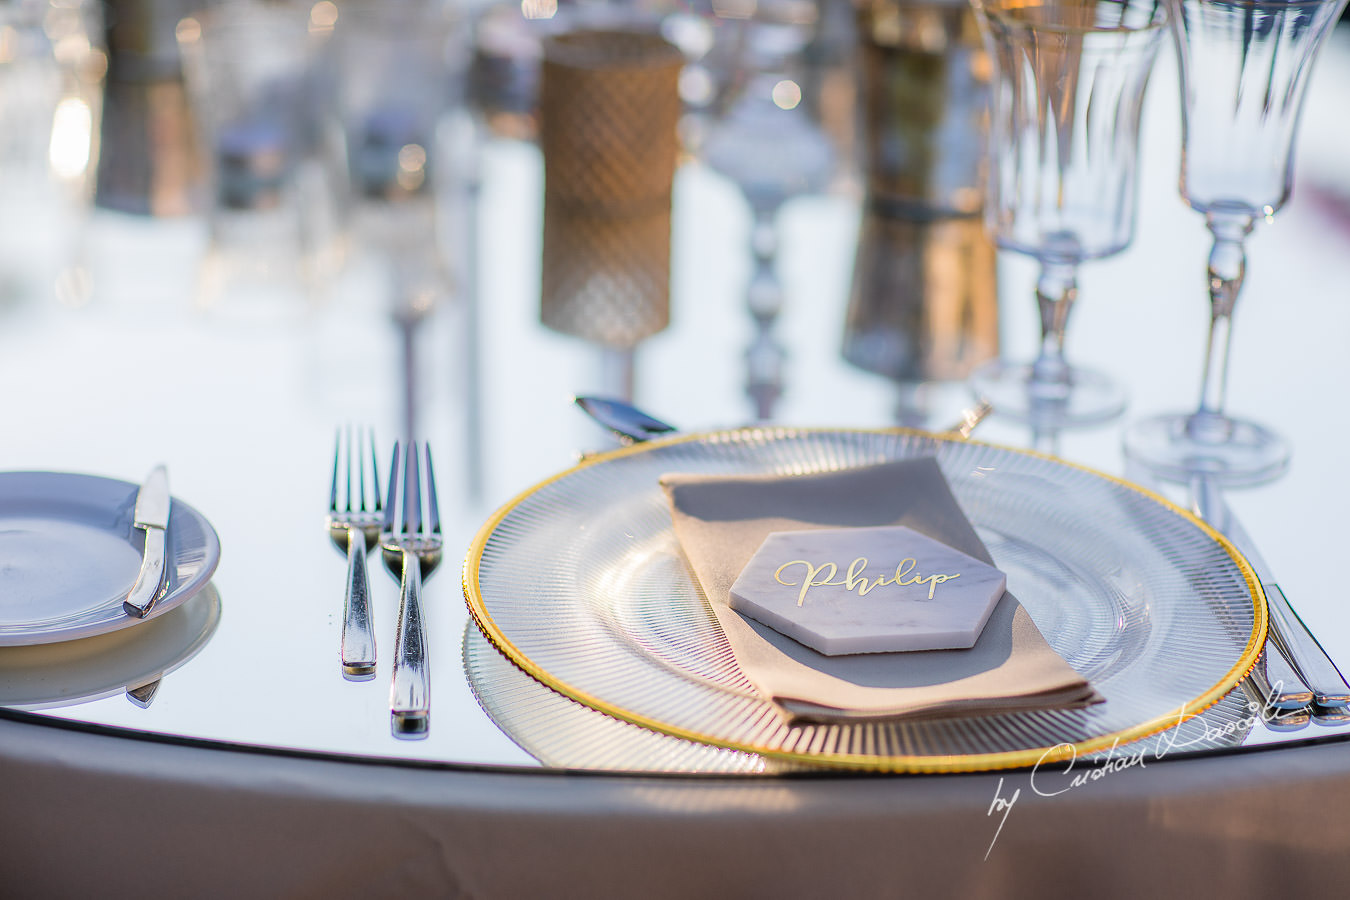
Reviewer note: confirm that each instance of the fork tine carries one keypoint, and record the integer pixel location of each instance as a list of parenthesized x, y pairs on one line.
[(350, 447), (392, 505), (337, 452), (358, 450), (435, 512), (412, 492), (375, 470)]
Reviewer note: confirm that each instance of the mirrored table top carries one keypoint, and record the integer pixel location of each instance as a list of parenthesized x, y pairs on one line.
[(243, 404)]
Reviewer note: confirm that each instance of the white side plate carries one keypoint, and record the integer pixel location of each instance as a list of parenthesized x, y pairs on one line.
[(69, 554)]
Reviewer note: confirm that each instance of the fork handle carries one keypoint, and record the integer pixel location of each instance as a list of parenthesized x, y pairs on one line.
[(410, 692), (358, 631)]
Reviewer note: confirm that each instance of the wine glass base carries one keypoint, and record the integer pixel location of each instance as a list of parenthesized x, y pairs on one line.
[(1232, 452), (1087, 397)]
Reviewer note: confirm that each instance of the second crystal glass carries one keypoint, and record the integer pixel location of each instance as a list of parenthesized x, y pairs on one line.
[(1245, 66), (1068, 89)]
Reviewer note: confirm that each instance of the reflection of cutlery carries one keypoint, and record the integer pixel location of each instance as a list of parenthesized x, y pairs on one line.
[(143, 694), (354, 527), (152, 517), (411, 548), (1294, 642)]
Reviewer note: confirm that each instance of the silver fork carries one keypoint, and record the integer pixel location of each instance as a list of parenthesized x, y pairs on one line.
[(411, 549), (354, 528)]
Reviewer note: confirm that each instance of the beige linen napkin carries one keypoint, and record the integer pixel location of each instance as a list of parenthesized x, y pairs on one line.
[(721, 521)]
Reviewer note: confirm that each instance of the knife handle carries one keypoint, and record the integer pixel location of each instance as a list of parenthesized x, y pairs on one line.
[(1277, 684), (146, 590), (358, 632), (1304, 652), (410, 692)]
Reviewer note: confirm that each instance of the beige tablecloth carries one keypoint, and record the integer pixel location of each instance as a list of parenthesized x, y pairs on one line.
[(88, 815)]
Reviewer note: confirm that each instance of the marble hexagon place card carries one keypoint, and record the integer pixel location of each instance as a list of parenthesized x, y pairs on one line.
[(867, 590)]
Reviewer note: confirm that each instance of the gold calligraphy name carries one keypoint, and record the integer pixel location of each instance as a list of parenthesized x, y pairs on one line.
[(826, 573)]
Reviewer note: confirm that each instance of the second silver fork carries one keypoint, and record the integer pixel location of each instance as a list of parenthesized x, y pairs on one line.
[(411, 549)]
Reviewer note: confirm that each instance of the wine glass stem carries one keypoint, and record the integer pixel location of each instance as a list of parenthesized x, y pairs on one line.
[(1056, 290), (765, 356), (1227, 264)]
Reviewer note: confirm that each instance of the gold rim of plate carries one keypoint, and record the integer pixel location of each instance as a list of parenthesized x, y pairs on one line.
[(904, 763)]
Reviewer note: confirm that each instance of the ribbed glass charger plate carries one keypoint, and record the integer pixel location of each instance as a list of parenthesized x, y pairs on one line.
[(581, 583), (565, 734)]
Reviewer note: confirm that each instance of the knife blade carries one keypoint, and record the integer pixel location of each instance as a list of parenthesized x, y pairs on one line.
[(1308, 662), (152, 517)]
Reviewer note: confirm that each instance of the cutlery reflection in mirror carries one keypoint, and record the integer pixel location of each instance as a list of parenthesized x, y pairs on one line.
[(143, 694), (1285, 720), (1330, 716)]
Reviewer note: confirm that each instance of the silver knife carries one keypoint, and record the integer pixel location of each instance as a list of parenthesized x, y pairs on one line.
[(1293, 640), (152, 517)]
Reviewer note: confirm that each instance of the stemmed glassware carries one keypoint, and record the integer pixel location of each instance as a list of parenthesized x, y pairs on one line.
[(1244, 73), (1068, 88), (767, 142)]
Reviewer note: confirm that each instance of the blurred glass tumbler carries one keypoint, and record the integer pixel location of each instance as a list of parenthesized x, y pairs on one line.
[(398, 78), (250, 71), (609, 107), (248, 68), (924, 303)]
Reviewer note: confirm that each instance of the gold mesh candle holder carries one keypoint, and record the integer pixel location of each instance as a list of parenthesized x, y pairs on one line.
[(608, 110)]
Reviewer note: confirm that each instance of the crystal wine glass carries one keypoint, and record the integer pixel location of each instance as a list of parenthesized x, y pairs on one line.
[(1068, 89), (1244, 73)]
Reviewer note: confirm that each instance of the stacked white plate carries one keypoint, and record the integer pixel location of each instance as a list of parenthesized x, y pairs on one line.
[(68, 556)]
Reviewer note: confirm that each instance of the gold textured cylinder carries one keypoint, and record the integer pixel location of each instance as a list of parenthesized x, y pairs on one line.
[(924, 301), (609, 107)]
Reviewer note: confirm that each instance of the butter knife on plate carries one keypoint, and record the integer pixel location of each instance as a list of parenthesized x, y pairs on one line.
[(152, 517)]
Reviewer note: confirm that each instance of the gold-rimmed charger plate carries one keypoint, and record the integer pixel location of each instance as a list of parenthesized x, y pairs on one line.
[(581, 583), (564, 734)]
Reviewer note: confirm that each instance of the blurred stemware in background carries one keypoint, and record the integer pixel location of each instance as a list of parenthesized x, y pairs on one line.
[(609, 112), (924, 304), (252, 71), (766, 138), (51, 72), (1245, 68), (399, 72), (1068, 89)]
